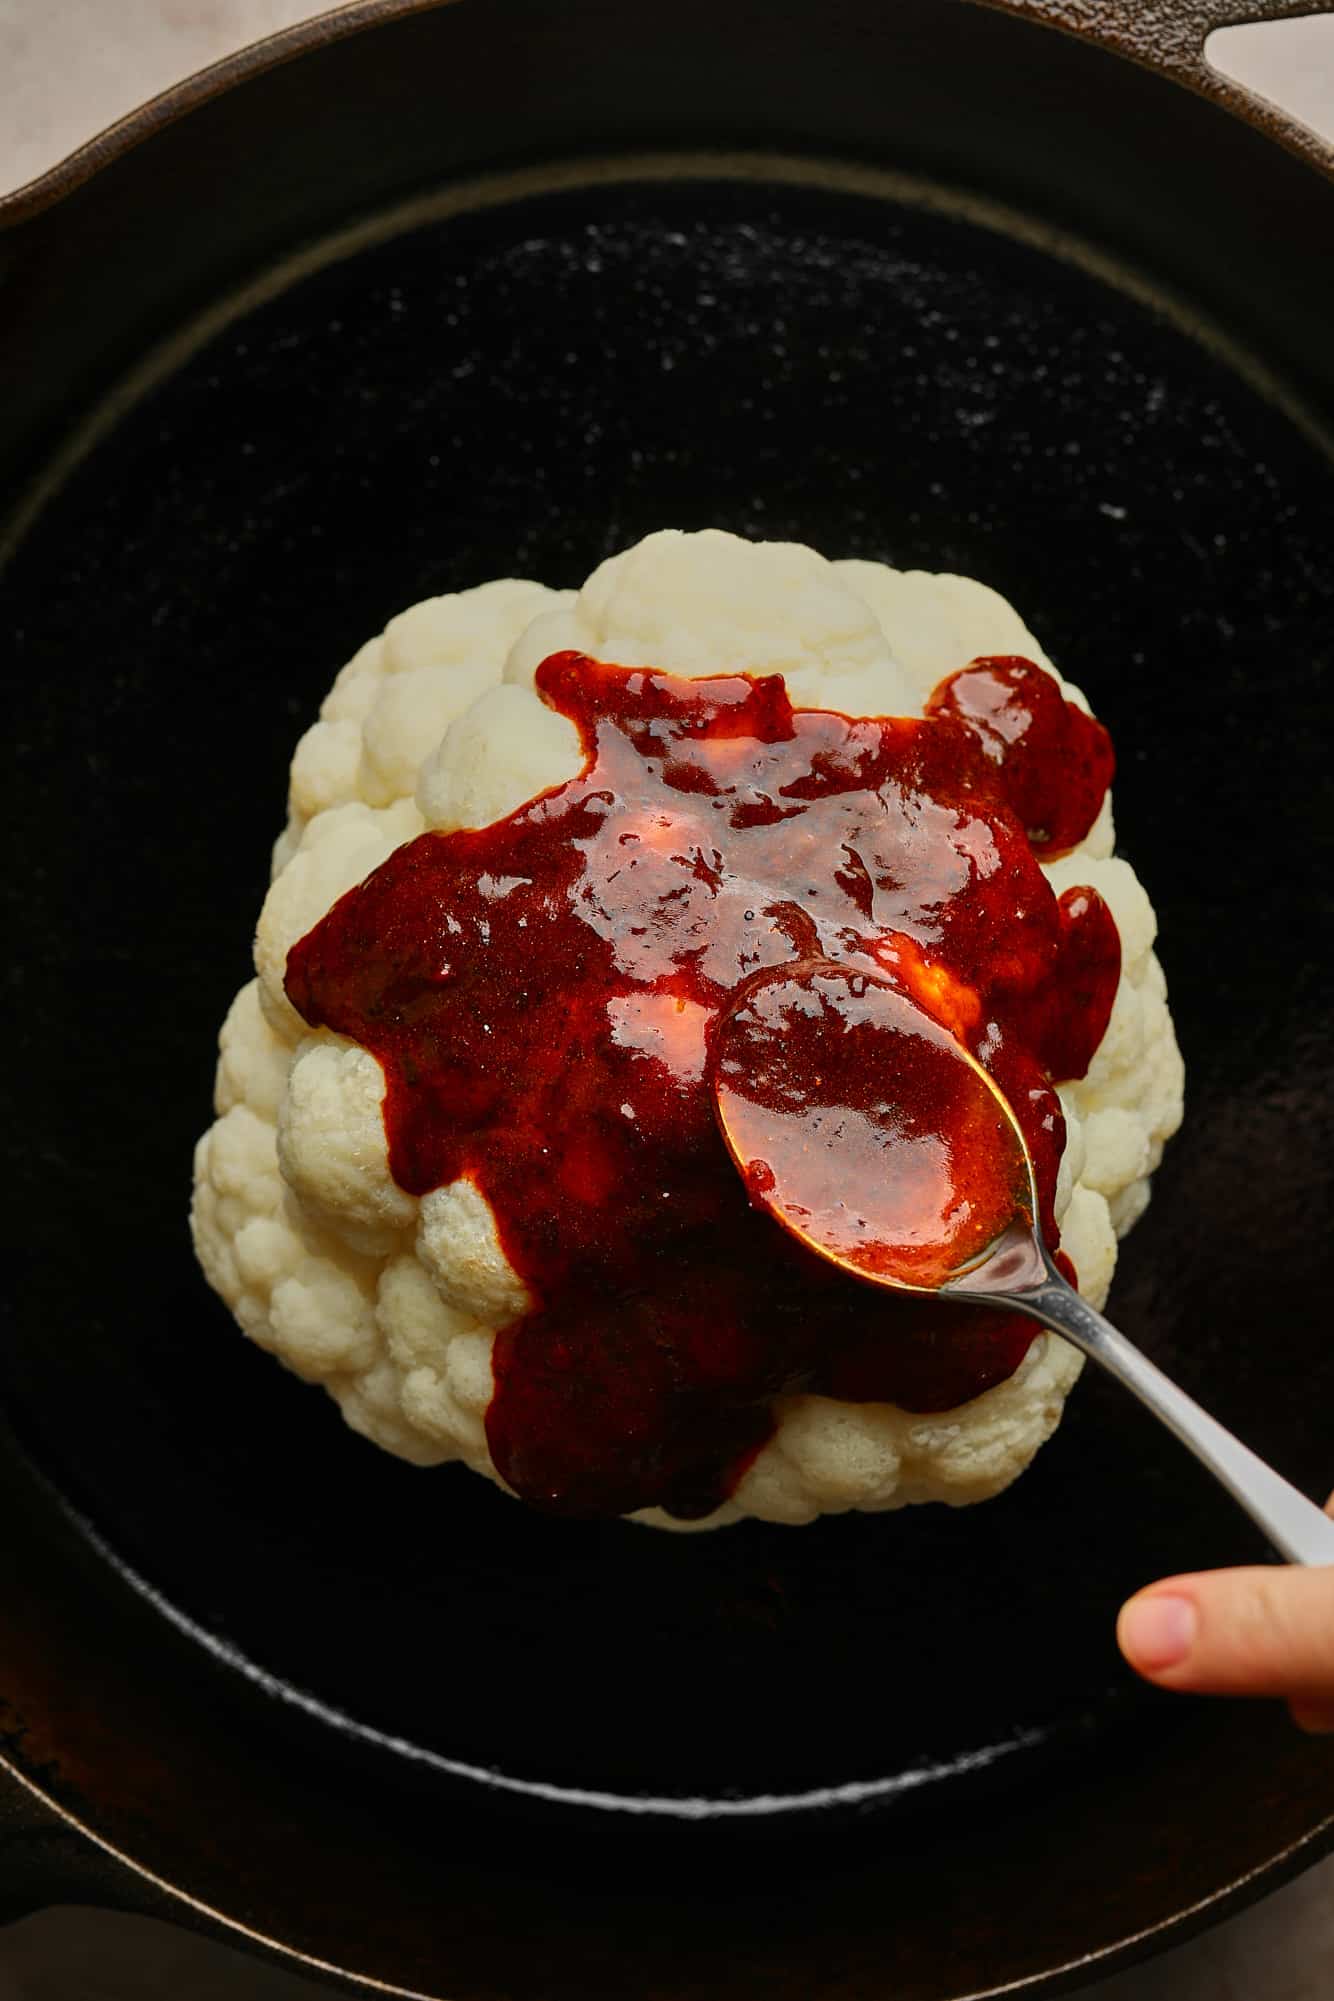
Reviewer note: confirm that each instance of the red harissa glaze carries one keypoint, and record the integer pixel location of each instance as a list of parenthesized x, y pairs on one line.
[(1057, 758), (541, 994)]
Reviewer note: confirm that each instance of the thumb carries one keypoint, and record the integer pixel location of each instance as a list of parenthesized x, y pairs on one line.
[(1238, 1632)]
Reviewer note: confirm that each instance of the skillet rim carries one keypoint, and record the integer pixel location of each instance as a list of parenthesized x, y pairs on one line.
[(43, 195), (133, 1886), (1169, 40)]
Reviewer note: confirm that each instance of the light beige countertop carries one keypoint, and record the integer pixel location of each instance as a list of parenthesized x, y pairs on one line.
[(69, 68)]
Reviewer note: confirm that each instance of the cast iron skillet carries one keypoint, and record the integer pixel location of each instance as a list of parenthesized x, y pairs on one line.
[(927, 283)]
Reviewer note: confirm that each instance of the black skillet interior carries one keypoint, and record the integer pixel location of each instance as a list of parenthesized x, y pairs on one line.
[(522, 388)]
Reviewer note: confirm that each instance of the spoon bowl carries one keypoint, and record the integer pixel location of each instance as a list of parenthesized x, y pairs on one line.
[(868, 1130)]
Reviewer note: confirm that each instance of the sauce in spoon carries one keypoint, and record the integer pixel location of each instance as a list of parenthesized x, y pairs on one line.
[(865, 1127), (874, 1137)]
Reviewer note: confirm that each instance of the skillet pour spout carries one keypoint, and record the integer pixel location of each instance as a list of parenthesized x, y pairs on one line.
[(355, 1715)]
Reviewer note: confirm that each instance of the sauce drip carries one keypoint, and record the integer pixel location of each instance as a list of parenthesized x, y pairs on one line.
[(1056, 759), (859, 1122), (542, 995)]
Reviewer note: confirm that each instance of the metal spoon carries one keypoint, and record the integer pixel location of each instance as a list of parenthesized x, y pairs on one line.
[(786, 1072)]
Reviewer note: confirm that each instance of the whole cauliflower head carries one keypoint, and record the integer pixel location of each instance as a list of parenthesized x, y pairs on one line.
[(392, 1301)]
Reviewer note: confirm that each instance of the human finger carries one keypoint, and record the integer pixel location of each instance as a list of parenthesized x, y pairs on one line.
[(1255, 1631)]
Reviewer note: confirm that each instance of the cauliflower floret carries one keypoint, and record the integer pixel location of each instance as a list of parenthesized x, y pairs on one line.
[(393, 1303), (465, 784), (252, 1059), (692, 604), (713, 604), (410, 715), (338, 849), (325, 769), (331, 1145), (444, 1362), (827, 1457), (398, 693), (356, 685), (458, 1245), (293, 1292)]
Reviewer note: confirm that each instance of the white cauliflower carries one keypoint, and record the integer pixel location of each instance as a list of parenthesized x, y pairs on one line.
[(393, 1302)]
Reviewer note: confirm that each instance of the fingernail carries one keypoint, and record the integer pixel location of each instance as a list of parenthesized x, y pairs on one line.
[(1316, 1720), (1158, 1632)]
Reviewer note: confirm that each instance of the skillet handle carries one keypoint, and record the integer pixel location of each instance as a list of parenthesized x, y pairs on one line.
[(47, 1858), (1171, 38)]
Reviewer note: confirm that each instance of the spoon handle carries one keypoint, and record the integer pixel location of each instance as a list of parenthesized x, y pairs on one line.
[(1298, 1529)]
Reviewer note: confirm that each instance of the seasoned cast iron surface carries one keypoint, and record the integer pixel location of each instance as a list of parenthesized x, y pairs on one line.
[(520, 392)]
